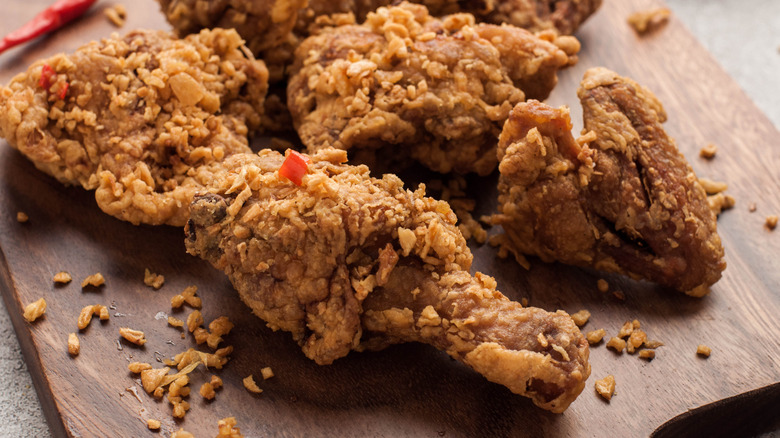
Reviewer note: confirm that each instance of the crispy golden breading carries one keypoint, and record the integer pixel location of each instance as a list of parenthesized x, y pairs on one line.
[(139, 118), (626, 201), (410, 85), (350, 262)]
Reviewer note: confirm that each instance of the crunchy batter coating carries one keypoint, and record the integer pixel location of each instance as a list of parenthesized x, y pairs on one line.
[(622, 198), (347, 262), (139, 119), (437, 91)]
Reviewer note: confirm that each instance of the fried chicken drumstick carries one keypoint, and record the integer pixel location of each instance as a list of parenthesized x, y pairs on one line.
[(350, 262), (408, 85), (139, 119), (623, 200)]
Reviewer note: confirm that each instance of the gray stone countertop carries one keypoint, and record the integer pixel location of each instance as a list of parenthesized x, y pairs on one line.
[(744, 37)]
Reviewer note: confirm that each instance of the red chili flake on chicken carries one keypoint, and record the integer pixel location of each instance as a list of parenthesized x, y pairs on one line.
[(46, 74), (295, 165)]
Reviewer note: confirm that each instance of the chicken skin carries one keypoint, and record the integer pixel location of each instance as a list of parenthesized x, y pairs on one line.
[(138, 119), (621, 198), (349, 262), (408, 85)]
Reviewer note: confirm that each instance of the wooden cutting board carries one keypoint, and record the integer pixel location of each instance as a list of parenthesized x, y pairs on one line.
[(407, 390)]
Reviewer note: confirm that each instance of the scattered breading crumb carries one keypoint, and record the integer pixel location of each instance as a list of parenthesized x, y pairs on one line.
[(524, 302), (720, 202), (34, 310), (581, 318), (595, 336), (752, 207), (228, 429), (219, 327), (250, 385), (626, 330), (606, 387), (62, 277), (95, 280), (22, 217), (645, 22), (138, 367), (194, 320), (771, 222), (153, 280), (708, 151), (207, 391), (617, 344), (85, 317), (135, 336), (647, 354), (653, 344), (215, 382), (74, 347), (153, 424), (619, 295), (181, 433), (602, 285), (267, 373), (175, 322), (187, 296), (116, 15), (713, 187), (703, 350)]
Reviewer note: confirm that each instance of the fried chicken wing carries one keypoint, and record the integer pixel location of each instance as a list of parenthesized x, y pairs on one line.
[(621, 198), (139, 119), (437, 91), (350, 262)]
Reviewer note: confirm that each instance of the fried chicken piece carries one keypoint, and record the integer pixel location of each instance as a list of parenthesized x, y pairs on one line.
[(622, 198), (139, 119), (437, 91), (349, 262)]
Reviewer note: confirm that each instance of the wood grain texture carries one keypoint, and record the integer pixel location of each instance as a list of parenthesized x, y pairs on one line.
[(408, 390)]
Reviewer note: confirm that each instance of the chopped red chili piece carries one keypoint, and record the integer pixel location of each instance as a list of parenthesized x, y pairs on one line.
[(52, 18), (46, 74), (295, 165), (63, 91)]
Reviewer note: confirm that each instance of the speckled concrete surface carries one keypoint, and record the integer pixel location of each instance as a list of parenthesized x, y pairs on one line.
[(743, 36)]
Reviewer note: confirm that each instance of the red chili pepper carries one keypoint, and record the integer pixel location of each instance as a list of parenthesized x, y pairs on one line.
[(295, 165), (46, 74), (64, 91), (52, 18)]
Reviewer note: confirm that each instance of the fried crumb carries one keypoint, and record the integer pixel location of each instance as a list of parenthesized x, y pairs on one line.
[(34, 310), (207, 391), (138, 367), (219, 327), (713, 187), (524, 302), (194, 320), (648, 21), (153, 280), (181, 433), (637, 338), (606, 387), (62, 277), (771, 222), (267, 373), (137, 337), (653, 344), (647, 354), (94, 280), (619, 295), (250, 385), (228, 429), (175, 322), (703, 350), (617, 344), (116, 15), (85, 317), (22, 217), (215, 382), (602, 285), (626, 330), (595, 336), (153, 424), (187, 296), (720, 202), (752, 207), (74, 347), (708, 151), (581, 318)]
